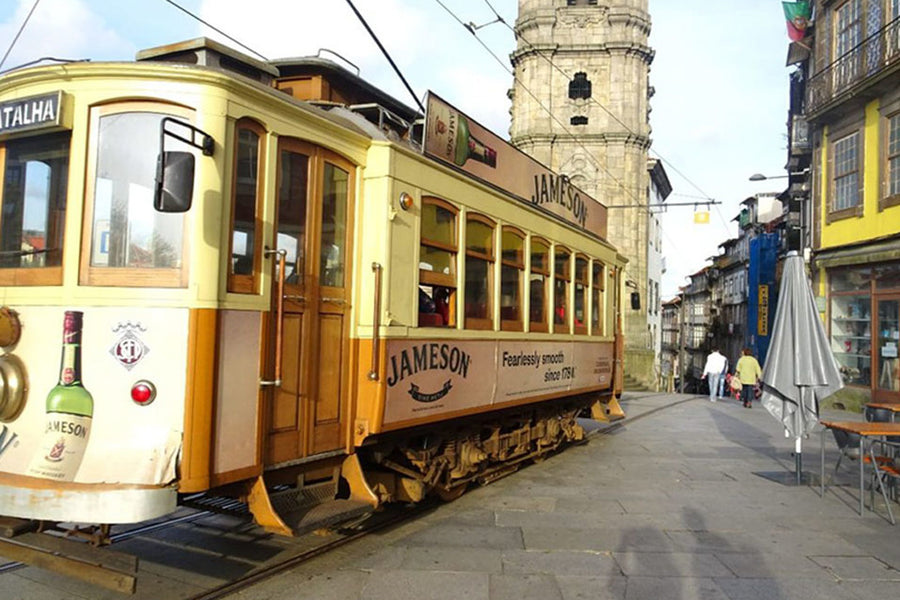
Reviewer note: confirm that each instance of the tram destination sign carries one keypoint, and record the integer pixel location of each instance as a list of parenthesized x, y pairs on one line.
[(31, 113), (453, 138)]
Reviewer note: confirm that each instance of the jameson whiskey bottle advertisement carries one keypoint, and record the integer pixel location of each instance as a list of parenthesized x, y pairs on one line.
[(451, 138), (69, 411)]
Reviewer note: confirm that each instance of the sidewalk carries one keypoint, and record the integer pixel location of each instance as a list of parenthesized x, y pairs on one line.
[(665, 505)]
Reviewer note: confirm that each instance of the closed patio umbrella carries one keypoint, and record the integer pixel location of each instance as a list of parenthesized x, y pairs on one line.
[(800, 368)]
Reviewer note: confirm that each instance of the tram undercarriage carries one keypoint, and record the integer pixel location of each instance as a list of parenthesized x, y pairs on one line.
[(442, 462)]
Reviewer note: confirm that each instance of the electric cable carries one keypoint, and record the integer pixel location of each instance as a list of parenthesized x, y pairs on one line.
[(593, 100), (18, 33), (386, 55), (216, 29)]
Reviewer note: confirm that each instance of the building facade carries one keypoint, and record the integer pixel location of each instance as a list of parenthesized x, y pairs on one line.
[(850, 104), (580, 106)]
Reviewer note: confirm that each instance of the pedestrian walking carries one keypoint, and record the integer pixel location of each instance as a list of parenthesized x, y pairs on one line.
[(712, 372), (748, 372), (722, 382)]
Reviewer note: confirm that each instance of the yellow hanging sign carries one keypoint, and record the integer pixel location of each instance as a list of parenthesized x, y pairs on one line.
[(701, 217)]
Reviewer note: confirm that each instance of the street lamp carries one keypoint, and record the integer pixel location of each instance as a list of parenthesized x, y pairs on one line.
[(761, 177)]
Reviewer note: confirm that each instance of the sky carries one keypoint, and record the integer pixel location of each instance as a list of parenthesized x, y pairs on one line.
[(721, 85)]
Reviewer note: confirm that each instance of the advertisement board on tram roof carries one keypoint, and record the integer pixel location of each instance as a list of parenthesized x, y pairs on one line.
[(454, 138)]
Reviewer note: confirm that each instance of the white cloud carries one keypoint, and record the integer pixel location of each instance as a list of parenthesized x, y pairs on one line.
[(67, 29)]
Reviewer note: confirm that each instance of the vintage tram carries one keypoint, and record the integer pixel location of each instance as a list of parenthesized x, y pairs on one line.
[(272, 280)]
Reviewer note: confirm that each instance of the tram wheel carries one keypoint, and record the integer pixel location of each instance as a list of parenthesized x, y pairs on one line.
[(453, 493)]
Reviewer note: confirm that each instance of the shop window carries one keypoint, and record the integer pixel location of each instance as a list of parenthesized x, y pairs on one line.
[(582, 287), (438, 248), (246, 223), (538, 280), (562, 278), (33, 184), (851, 324), (512, 277), (479, 272), (126, 241), (597, 305), (887, 276)]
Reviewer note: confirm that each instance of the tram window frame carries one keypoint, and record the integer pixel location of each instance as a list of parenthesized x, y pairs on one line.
[(562, 277), (512, 262), (443, 283), (129, 276), (54, 214), (477, 321), (543, 271), (581, 279), (598, 304), (247, 283)]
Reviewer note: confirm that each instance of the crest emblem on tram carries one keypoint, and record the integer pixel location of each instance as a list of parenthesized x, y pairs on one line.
[(130, 349)]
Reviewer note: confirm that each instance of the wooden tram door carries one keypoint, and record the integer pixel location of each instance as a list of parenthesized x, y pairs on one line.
[(313, 223)]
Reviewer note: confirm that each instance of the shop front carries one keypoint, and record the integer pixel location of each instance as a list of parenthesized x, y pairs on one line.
[(864, 324)]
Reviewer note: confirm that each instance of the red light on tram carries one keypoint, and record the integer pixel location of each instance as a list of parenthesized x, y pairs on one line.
[(143, 393)]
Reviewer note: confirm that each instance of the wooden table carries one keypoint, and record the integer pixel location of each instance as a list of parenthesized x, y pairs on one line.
[(864, 429)]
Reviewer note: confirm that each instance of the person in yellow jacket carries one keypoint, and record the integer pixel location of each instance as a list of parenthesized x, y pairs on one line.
[(748, 372)]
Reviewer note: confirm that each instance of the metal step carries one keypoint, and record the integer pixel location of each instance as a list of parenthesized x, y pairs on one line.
[(305, 519)]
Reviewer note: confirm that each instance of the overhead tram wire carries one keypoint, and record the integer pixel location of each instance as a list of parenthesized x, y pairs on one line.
[(594, 100), (216, 29), (386, 55), (641, 205), (594, 161), (541, 104), (18, 33)]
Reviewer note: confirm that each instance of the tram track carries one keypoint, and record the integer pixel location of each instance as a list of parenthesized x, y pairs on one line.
[(398, 517), (372, 524), (124, 535), (379, 521)]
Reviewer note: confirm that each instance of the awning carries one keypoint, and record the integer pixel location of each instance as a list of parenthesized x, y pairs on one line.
[(868, 253)]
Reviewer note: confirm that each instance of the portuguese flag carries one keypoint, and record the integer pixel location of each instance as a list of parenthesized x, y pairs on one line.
[(797, 15)]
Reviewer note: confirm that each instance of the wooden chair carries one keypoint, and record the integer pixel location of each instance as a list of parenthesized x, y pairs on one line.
[(885, 471)]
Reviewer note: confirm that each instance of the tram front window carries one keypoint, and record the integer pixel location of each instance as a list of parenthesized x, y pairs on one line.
[(127, 231), (35, 176)]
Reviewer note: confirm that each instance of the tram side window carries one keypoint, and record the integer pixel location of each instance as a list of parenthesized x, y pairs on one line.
[(581, 294), (437, 264), (34, 181), (561, 278), (597, 306), (538, 280), (127, 234), (245, 226), (512, 276), (479, 272)]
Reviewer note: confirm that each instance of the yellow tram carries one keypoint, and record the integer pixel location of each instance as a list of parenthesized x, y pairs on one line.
[(275, 275)]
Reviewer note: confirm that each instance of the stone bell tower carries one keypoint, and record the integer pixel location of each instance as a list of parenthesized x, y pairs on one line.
[(580, 105)]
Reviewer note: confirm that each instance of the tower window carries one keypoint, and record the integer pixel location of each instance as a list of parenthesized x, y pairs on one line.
[(579, 120), (580, 86), (581, 2)]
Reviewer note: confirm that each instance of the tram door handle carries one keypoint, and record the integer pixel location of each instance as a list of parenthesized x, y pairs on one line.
[(279, 318)]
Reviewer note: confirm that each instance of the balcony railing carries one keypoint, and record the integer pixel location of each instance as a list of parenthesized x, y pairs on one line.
[(868, 58)]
